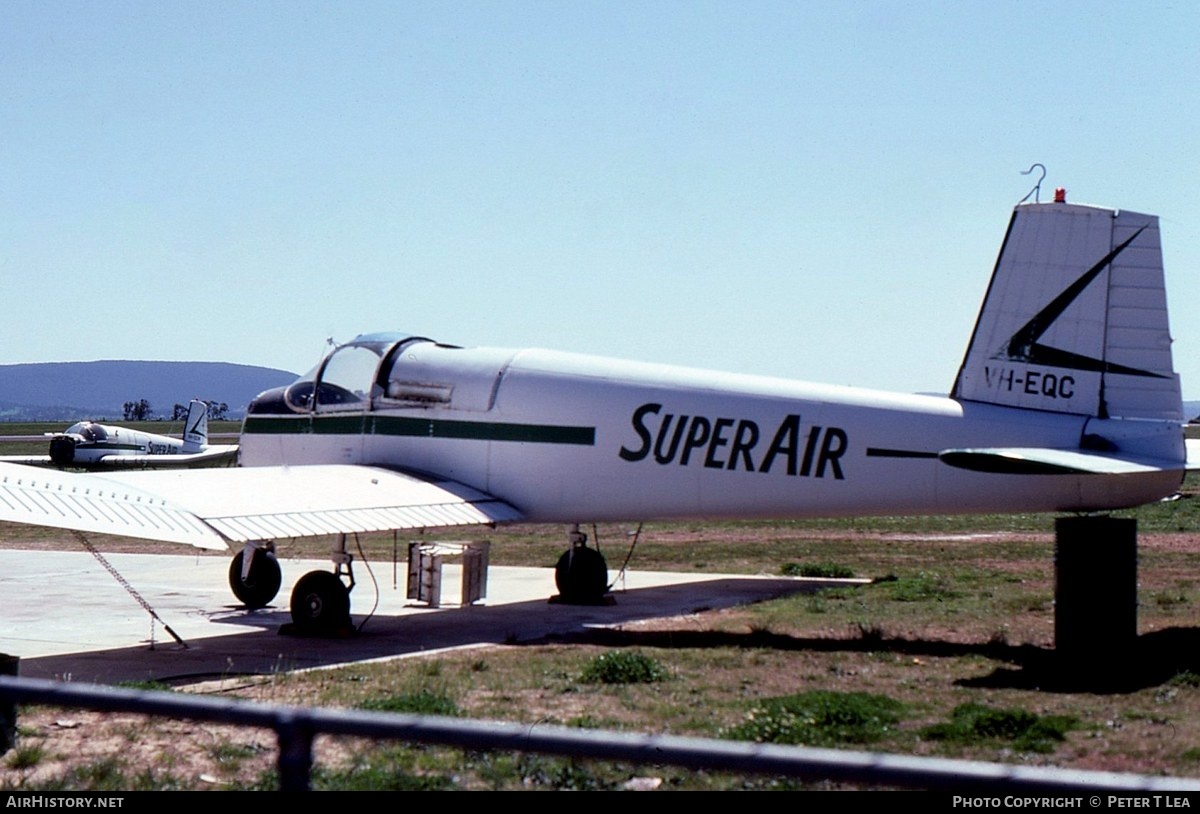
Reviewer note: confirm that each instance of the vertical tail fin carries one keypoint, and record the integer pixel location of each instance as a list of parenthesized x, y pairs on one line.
[(195, 431), (1075, 318)]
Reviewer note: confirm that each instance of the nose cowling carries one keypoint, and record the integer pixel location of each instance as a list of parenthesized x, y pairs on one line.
[(62, 450)]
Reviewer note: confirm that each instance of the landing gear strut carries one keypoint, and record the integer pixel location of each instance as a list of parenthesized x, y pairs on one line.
[(581, 573)]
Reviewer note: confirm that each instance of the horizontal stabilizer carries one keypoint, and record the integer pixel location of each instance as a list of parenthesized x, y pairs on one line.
[(1040, 461)]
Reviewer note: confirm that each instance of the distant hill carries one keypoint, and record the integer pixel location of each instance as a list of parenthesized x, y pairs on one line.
[(71, 391)]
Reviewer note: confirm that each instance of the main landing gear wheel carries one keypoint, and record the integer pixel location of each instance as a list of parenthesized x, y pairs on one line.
[(321, 603), (581, 576), (262, 583)]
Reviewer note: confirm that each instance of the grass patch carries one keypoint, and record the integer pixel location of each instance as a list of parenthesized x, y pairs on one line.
[(820, 718), (150, 686), (817, 570), (25, 756), (623, 667), (421, 702), (971, 724), (922, 587)]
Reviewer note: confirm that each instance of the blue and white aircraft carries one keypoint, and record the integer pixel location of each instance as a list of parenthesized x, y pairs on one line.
[(1066, 401)]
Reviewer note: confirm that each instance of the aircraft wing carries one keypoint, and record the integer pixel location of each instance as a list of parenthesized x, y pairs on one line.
[(27, 460), (208, 508), (85, 502), (210, 456), (267, 503), (1042, 461)]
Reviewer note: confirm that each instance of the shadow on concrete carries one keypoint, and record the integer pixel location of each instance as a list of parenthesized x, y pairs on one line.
[(258, 648)]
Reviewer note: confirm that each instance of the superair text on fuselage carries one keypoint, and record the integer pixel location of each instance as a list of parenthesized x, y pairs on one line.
[(736, 443)]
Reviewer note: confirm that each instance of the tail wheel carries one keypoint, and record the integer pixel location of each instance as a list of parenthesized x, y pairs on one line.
[(262, 583), (581, 575), (320, 602)]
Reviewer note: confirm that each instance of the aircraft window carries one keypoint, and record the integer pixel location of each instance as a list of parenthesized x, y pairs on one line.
[(89, 432), (346, 378), (297, 396)]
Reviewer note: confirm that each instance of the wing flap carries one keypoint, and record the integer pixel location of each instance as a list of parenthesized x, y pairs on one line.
[(256, 503), (1044, 461)]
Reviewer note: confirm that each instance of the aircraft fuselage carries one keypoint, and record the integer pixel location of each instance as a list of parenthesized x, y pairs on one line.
[(569, 438)]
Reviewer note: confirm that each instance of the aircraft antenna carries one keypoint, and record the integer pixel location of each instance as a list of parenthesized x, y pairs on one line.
[(1036, 192)]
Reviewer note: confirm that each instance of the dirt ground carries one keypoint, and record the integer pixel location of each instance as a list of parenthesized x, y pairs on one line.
[(980, 628)]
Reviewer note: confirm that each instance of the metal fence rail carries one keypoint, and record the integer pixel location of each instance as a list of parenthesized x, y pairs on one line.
[(295, 728)]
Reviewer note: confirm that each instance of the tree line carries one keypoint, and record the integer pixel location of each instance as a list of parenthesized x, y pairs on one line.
[(140, 410)]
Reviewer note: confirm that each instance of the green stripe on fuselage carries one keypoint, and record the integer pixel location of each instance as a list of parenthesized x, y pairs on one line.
[(419, 428)]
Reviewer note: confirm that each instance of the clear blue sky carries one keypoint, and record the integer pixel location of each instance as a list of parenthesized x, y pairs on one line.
[(813, 190)]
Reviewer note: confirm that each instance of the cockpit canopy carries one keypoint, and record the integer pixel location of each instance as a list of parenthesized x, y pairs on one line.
[(89, 431), (348, 377), (392, 371)]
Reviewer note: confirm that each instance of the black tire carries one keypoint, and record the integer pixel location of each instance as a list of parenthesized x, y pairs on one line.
[(581, 575), (320, 602), (261, 586)]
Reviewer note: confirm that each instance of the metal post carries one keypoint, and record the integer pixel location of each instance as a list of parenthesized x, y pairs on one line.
[(1095, 596), (295, 754)]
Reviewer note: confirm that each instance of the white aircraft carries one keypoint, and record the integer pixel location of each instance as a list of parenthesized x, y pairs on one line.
[(1066, 401), (91, 445)]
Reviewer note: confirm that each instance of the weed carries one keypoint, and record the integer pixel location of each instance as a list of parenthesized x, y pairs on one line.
[(1170, 599), (25, 756), (922, 588), (817, 570), (422, 702), (623, 667), (560, 775), (377, 778), (870, 633), (228, 752), (1027, 731), (585, 722), (820, 718), (150, 686)]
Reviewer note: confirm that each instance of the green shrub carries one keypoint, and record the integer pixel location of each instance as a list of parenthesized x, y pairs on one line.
[(623, 667), (1027, 731)]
